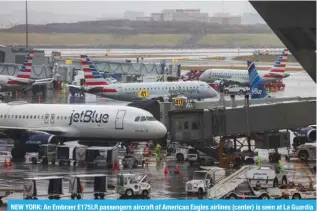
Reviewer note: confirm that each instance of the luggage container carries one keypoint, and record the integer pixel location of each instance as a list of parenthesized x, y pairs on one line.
[(63, 155), (101, 156)]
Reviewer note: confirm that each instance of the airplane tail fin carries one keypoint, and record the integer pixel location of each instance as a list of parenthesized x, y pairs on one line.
[(257, 88), (26, 69), (92, 75), (279, 66)]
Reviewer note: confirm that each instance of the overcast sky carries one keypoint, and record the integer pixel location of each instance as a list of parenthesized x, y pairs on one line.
[(69, 11)]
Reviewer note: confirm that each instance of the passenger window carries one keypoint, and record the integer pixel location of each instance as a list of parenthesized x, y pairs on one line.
[(20, 116), (143, 119), (137, 119), (34, 116), (31, 117), (16, 116), (0, 116), (42, 117), (23, 116), (57, 117), (186, 125), (27, 116)]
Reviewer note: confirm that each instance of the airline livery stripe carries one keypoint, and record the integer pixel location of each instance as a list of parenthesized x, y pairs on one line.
[(277, 71), (92, 76), (96, 83), (12, 82), (108, 91), (94, 79), (23, 76)]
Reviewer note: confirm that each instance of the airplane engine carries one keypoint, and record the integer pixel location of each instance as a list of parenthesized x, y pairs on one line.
[(38, 139), (32, 142), (304, 135)]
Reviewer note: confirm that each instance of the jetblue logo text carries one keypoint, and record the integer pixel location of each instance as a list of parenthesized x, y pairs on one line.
[(256, 91), (88, 116)]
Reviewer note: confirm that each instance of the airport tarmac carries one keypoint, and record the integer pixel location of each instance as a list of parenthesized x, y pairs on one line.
[(164, 186)]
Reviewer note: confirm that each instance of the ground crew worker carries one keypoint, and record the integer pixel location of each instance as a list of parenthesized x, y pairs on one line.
[(259, 161), (280, 165)]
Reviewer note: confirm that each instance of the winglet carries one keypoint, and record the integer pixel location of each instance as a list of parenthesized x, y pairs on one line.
[(257, 89)]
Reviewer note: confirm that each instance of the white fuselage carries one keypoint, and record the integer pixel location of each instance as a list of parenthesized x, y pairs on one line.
[(133, 91), (240, 76), (82, 121)]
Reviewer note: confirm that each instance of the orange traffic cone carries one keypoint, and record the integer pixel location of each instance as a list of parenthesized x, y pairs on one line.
[(243, 196), (5, 163), (177, 170)]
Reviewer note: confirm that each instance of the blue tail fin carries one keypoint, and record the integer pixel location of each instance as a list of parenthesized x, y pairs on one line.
[(257, 89)]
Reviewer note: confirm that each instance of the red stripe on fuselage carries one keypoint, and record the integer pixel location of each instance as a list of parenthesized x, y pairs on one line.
[(97, 83), (23, 76), (12, 82), (108, 90), (272, 76), (277, 71)]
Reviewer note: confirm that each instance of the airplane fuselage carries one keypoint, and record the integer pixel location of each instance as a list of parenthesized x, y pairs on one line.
[(149, 90), (74, 122), (11, 83), (240, 76)]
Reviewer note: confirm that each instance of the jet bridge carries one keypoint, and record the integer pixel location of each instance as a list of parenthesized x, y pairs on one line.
[(201, 125)]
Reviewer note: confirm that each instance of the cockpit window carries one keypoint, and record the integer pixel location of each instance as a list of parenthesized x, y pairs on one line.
[(150, 118), (137, 119), (143, 118)]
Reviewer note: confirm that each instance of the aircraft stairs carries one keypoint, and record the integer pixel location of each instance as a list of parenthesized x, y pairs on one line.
[(228, 184)]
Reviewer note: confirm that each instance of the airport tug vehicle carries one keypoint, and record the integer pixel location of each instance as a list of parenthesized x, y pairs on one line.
[(100, 189), (131, 185), (203, 180)]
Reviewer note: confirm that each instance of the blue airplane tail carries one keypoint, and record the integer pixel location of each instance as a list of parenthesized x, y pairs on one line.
[(257, 89)]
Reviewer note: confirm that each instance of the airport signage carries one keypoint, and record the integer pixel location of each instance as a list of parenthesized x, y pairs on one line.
[(143, 94), (161, 205), (88, 116)]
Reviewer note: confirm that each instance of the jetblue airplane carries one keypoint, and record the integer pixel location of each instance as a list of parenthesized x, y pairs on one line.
[(90, 124), (22, 79), (96, 84), (257, 88), (275, 74)]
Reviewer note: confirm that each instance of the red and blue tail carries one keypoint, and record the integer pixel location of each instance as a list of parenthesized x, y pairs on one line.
[(26, 69), (279, 67), (92, 75)]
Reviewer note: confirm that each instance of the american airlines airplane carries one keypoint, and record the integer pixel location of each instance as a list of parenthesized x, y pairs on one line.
[(96, 84), (57, 123), (23, 77), (275, 74)]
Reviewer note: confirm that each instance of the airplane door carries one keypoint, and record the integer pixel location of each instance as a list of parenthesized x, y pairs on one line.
[(49, 119), (119, 119)]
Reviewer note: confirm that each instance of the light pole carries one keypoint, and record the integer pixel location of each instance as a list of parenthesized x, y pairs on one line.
[(26, 25)]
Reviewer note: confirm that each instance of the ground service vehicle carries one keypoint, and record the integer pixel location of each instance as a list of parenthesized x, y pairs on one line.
[(132, 160), (101, 156), (47, 154), (63, 155), (203, 180), (133, 185)]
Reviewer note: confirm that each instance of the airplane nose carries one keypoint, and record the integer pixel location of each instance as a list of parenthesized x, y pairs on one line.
[(160, 130), (213, 93), (202, 77)]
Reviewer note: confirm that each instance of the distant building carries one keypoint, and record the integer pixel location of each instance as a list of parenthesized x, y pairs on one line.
[(157, 16), (224, 19), (184, 15), (144, 19), (132, 15), (252, 18)]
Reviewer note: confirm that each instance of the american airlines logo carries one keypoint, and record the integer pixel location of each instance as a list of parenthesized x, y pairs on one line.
[(88, 116), (256, 91)]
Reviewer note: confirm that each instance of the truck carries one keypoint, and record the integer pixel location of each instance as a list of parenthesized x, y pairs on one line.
[(234, 89), (46, 154), (133, 160), (131, 185), (203, 180), (195, 156), (101, 156)]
